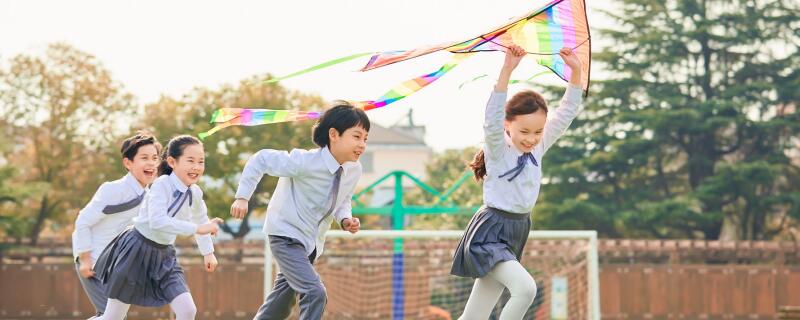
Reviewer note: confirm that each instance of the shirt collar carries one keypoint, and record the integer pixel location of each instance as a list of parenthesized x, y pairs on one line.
[(131, 181), (177, 183), (329, 161)]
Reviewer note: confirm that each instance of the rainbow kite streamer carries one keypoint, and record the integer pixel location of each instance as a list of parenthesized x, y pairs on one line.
[(227, 117), (408, 87), (541, 32)]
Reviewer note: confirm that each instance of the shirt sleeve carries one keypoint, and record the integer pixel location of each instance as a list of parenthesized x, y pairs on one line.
[(90, 215), (158, 218), (200, 216), (277, 163), (562, 117), (493, 125)]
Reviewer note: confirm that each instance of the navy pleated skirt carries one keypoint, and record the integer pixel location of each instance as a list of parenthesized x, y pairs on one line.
[(140, 271), (492, 236)]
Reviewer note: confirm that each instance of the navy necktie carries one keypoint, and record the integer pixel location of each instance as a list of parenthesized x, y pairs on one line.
[(521, 161), (337, 180), (179, 197)]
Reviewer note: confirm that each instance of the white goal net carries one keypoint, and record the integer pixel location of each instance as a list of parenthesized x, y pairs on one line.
[(406, 275)]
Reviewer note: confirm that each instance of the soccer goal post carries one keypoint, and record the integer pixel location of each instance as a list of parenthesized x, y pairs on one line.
[(405, 274)]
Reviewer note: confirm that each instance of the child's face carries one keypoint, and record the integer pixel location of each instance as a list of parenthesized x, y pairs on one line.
[(190, 166), (349, 145), (526, 130), (144, 164)]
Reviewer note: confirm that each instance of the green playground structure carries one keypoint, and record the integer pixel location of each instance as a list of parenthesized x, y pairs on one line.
[(398, 211)]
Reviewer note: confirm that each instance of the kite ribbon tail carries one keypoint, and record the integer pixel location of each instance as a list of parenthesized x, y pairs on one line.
[(216, 128), (320, 66), (411, 86)]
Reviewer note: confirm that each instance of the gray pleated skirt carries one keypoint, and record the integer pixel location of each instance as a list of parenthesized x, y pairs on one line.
[(140, 271), (492, 236)]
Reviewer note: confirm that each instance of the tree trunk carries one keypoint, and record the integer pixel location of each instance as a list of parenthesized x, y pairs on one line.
[(730, 230), (44, 211)]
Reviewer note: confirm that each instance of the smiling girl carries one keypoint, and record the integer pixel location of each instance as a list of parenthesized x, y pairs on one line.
[(140, 266), (517, 138)]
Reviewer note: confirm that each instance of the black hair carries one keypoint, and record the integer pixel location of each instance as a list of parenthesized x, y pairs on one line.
[(131, 145), (341, 117), (174, 149)]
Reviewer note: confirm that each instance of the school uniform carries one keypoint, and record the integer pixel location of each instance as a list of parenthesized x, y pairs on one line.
[(111, 210), (499, 230), (140, 266), (312, 191)]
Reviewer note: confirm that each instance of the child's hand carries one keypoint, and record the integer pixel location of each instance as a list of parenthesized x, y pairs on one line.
[(86, 270), (239, 208), (211, 227), (352, 225), (210, 262), (572, 61), (514, 55), (85, 262), (570, 58)]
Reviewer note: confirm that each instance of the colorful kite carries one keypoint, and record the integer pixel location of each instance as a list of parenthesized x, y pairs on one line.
[(541, 32)]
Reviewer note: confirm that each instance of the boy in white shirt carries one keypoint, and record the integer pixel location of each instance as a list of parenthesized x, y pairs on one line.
[(315, 186), (111, 210)]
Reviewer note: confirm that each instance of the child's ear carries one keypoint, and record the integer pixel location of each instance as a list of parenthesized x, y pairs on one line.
[(333, 135), (127, 163), (171, 162)]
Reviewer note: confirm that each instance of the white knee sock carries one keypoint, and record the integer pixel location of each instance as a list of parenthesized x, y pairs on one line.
[(481, 301), (115, 310), (183, 306), (486, 291), (520, 284)]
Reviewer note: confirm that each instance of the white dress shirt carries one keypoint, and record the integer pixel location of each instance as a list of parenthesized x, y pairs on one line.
[(301, 200), (520, 194), (169, 211), (94, 229)]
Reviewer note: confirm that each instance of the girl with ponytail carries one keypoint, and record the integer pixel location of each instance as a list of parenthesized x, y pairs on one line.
[(517, 134)]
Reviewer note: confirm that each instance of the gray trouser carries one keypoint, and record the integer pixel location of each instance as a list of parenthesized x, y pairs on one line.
[(296, 276), (94, 289)]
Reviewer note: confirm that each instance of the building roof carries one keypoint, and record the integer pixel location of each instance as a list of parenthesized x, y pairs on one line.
[(393, 136)]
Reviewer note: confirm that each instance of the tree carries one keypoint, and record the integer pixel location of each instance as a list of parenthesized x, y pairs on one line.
[(689, 136), (64, 111), (12, 198)]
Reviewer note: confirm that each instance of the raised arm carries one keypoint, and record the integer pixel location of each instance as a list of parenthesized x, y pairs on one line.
[(493, 125), (562, 117)]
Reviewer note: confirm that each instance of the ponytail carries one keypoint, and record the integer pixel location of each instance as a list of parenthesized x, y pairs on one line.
[(163, 166), (478, 166)]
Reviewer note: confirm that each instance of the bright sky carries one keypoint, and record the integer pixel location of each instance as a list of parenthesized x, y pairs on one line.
[(169, 47)]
